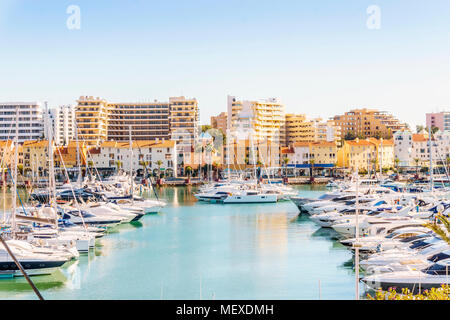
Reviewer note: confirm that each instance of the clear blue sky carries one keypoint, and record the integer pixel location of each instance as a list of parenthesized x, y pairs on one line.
[(319, 57)]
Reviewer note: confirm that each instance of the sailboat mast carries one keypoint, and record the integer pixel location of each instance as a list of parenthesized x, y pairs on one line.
[(131, 166), (78, 159), (431, 158), (51, 178), (16, 163)]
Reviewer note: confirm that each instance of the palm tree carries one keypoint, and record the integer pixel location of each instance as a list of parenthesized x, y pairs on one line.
[(416, 160), (285, 162), (443, 229), (396, 161), (159, 164), (188, 170), (118, 164), (312, 167)]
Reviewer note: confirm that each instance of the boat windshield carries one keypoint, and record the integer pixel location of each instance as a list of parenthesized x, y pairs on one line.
[(438, 269)]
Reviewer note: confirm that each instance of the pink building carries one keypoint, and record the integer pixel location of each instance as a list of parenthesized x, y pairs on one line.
[(439, 119)]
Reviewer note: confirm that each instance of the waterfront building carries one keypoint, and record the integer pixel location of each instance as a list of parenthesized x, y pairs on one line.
[(148, 121), (220, 122), (153, 155), (35, 158), (264, 118), (385, 152), (365, 123), (66, 156), (412, 150), (7, 152), (357, 155), (439, 120), (246, 153), (26, 115), (299, 129), (92, 119)]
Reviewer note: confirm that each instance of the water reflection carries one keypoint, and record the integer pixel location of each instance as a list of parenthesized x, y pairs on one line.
[(19, 285)]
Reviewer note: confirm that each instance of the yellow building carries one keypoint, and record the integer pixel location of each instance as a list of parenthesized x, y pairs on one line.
[(7, 152), (67, 155), (184, 120), (365, 123), (358, 155), (35, 157), (148, 121), (91, 116), (299, 129), (323, 152), (385, 153), (263, 119)]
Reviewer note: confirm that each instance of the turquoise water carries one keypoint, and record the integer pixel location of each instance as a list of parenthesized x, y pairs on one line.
[(206, 251)]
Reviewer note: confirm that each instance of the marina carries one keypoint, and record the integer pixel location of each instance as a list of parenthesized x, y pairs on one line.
[(193, 250)]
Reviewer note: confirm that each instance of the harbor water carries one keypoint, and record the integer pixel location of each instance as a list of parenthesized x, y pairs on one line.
[(193, 250)]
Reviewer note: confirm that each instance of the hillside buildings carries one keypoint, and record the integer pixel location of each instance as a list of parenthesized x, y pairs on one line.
[(220, 122), (365, 123), (300, 129)]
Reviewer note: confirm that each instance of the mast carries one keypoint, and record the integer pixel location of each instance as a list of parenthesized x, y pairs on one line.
[(431, 158), (16, 163), (357, 245), (381, 157), (51, 166), (131, 166), (78, 159)]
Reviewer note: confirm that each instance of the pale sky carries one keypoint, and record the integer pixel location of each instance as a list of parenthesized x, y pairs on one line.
[(318, 57)]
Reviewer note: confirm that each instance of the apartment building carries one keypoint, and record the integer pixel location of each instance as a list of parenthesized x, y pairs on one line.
[(220, 122), (35, 157), (365, 123), (148, 121), (316, 153), (240, 154), (412, 150), (26, 115), (184, 121), (440, 120), (63, 124), (299, 129), (358, 155), (92, 115), (262, 119), (153, 155)]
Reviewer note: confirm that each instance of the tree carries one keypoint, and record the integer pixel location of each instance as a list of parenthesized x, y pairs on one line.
[(159, 164), (419, 128), (311, 162), (118, 164), (396, 161), (188, 170), (416, 160), (349, 136), (206, 127)]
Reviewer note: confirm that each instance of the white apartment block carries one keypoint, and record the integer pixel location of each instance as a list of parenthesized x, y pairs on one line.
[(264, 118), (26, 115), (64, 124), (413, 149), (154, 154)]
